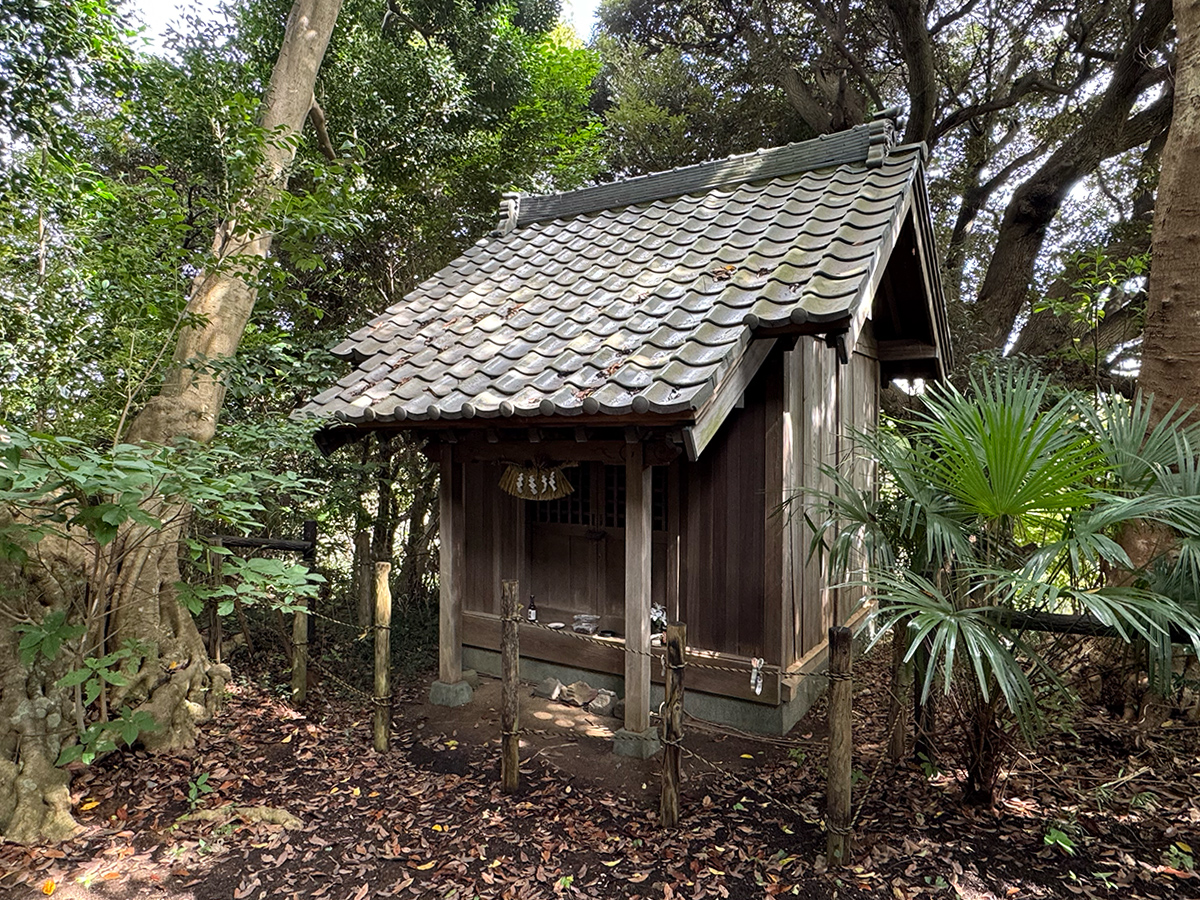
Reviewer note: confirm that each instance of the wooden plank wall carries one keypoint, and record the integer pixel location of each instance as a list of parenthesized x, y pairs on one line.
[(859, 402), (723, 545), (815, 385), (494, 539)]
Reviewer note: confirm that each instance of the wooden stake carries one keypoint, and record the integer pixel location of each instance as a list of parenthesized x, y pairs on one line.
[(837, 798), (383, 657), (897, 720), (451, 522), (365, 605), (300, 654), (510, 661), (300, 626), (215, 566), (673, 724), (638, 525)]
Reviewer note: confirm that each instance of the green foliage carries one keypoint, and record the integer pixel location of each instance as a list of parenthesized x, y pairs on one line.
[(1055, 837), (95, 673), (60, 485), (197, 788), (1005, 500), (99, 738), (671, 107), (258, 580), (47, 638), (46, 50)]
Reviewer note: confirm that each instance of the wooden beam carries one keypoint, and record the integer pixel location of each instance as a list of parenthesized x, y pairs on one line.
[(450, 569), (611, 452), (713, 414), (732, 679), (637, 590), (897, 351)]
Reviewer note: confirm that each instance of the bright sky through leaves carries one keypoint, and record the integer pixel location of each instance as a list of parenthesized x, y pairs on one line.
[(160, 14)]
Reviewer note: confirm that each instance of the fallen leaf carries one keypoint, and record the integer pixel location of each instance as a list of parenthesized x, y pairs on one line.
[(48, 886)]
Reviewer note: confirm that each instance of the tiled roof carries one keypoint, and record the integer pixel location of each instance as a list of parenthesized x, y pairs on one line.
[(638, 296)]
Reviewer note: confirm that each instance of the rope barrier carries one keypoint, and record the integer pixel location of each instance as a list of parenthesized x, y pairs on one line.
[(610, 642)]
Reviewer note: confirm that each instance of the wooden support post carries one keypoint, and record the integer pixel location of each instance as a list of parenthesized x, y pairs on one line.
[(837, 798), (300, 654), (901, 676), (450, 555), (364, 604), (383, 658), (673, 724), (300, 626), (637, 591), (215, 568), (510, 661)]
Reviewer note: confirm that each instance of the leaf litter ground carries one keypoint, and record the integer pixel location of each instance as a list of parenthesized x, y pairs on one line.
[(427, 819)]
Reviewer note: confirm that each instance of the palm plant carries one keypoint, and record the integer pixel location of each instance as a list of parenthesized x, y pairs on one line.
[(1001, 501)]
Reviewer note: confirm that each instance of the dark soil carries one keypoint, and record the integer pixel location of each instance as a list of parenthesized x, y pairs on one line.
[(1102, 811)]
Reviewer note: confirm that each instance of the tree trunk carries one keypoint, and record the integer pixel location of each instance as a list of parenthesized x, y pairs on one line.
[(174, 681), (1109, 130), (1171, 342)]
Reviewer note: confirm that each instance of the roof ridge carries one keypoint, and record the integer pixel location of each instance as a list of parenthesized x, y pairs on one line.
[(868, 143)]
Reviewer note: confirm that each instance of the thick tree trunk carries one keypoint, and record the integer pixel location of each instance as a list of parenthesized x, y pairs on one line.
[(1171, 341), (174, 681), (1109, 130)]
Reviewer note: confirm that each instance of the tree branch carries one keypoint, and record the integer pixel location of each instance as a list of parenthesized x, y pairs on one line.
[(316, 115)]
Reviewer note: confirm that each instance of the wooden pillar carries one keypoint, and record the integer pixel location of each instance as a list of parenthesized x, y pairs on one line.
[(362, 578), (672, 724), (300, 654), (841, 745), (383, 658), (450, 572), (510, 661), (637, 590)]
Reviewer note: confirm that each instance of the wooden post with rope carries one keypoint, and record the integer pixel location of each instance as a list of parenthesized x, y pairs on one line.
[(676, 641), (837, 797), (510, 661), (300, 653), (383, 658), (363, 603)]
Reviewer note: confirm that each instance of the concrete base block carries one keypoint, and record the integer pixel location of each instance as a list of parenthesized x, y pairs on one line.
[(457, 694), (641, 745)]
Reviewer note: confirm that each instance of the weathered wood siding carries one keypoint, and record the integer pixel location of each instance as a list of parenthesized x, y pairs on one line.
[(858, 412), (494, 539), (824, 404), (723, 543), (569, 568)]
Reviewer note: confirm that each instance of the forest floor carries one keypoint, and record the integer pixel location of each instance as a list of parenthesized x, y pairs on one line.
[(1101, 811)]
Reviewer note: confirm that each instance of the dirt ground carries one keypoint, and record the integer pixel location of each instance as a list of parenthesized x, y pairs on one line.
[(1102, 811)]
